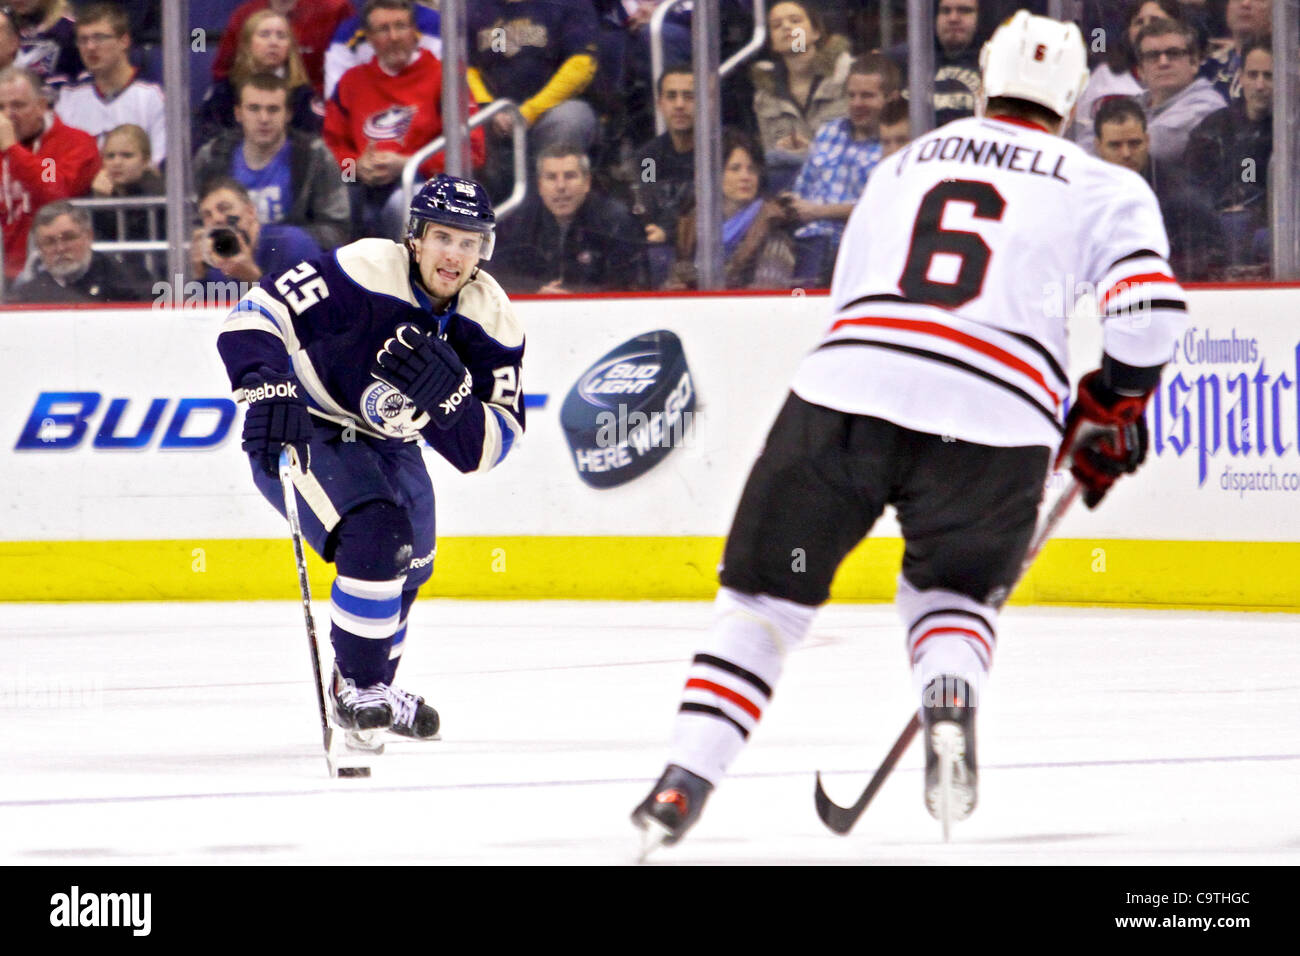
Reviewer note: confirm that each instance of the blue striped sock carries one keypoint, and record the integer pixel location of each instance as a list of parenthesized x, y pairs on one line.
[(364, 615)]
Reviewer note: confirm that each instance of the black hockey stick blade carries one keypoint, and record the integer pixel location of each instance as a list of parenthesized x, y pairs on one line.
[(841, 819)]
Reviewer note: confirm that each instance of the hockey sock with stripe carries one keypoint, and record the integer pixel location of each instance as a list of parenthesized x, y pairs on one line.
[(731, 679), (947, 634), (366, 606), (364, 616), (399, 637)]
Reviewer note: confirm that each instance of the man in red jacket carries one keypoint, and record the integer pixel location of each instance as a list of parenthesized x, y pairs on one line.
[(384, 111), (41, 160)]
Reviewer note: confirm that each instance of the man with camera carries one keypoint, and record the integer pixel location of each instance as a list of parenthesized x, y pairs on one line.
[(233, 244)]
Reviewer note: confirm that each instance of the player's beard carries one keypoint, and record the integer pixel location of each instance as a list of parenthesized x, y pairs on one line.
[(462, 280)]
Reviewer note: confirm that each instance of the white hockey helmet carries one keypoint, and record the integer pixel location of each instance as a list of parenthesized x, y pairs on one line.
[(1036, 59)]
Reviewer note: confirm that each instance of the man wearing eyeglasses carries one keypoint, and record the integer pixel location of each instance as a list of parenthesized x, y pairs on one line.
[(1176, 99), (114, 93), (70, 270)]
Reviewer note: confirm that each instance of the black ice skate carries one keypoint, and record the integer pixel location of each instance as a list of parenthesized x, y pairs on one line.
[(412, 717), (360, 708), (671, 809), (948, 729)]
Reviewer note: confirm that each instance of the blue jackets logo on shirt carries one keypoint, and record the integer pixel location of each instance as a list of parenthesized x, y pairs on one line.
[(389, 411), (391, 124)]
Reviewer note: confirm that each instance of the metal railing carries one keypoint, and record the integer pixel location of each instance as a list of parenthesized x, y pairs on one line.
[(121, 205), (519, 137)]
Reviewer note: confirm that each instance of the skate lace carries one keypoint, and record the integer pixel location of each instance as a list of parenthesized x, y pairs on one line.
[(404, 705), (369, 696), (345, 692)]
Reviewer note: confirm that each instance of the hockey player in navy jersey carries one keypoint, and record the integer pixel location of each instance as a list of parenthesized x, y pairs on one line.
[(939, 389), (350, 360)]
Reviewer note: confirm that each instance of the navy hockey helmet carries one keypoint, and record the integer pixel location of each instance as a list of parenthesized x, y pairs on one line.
[(451, 201)]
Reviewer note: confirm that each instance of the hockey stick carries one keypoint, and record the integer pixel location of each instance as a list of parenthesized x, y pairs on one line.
[(841, 819), (287, 464)]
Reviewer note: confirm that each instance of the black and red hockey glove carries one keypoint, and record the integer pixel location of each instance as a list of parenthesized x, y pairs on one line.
[(426, 370), (277, 417), (1105, 436)]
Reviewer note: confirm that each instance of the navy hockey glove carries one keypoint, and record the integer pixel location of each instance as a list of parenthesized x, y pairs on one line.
[(277, 416), (1105, 437), (426, 370)]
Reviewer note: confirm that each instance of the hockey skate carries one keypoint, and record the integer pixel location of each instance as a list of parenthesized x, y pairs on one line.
[(361, 713), (412, 717), (948, 728), (671, 809)]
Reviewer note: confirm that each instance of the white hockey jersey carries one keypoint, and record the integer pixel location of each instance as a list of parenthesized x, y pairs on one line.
[(959, 267), (139, 102)]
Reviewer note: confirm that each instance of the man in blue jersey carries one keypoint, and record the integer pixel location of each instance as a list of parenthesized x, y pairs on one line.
[(350, 359)]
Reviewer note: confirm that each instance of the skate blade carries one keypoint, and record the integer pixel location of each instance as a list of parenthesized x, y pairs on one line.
[(952, 798), (653, 835), (369, 742), (401, 739)]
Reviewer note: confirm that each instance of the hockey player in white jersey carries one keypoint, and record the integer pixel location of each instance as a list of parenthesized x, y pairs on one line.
[(939, 388), (351, 359)]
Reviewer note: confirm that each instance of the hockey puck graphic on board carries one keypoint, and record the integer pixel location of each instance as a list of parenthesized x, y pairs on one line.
[(629, 410)]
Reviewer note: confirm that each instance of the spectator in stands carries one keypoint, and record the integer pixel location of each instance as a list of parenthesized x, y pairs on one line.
[(126, 167), (663, 173), (1228, 154), (292, 176), (843, 153), (1195, 236), (313, 23), (48, 46), (895, 126), (126, 172), (351, 47), (114, 94), (1247, 20), (383, 112), (234, 245), (1118, 76), (542, 55), (8, 39), (1176, 98), (266, 46), (758, 252), (799, 89), (41, 159), (70, 271), (956, 59), (569, 238)]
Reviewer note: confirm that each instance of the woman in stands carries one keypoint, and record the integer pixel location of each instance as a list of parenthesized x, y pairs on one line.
[(757, 249), (799, 88), (1117, 76), (266, 45)]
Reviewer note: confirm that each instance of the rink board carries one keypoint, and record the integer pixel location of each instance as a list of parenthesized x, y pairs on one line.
[(124, 478)]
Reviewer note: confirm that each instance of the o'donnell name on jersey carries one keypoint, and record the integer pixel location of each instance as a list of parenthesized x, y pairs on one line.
[(979, 152)]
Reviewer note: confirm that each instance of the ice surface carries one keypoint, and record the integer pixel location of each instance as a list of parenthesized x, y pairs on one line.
[(187, 733)]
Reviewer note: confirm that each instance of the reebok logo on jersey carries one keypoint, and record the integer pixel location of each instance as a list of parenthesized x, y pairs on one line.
[(453, 401), (281, 390)]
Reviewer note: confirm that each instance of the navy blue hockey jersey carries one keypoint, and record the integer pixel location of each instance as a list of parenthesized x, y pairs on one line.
[(326, 319)]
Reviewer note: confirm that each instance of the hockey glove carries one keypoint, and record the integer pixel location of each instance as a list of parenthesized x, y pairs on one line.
[(277, 416), (426, 370), (1105, 437)]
